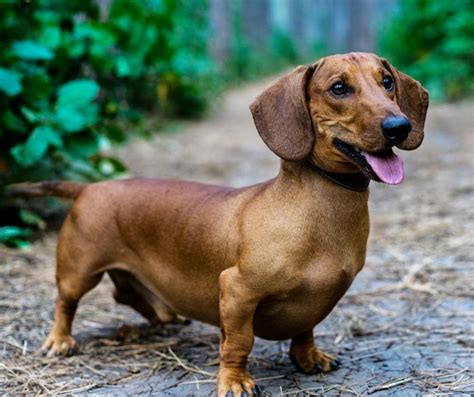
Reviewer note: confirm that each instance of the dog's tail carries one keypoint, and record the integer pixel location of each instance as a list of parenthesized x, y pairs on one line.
[(64, 189)]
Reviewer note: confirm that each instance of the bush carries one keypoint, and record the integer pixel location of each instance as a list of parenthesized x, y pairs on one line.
[(70, 73), (432, 41), (66, 75)]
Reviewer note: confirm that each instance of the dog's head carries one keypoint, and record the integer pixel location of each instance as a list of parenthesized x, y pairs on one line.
[(345, 113)]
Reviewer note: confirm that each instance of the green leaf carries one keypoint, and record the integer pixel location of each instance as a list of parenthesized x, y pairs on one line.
[(10, 82), (100, 38), (122, 67), (80, 169), (36, 88), (115, 133), (32, 219), (36, 145), (76, 49), (50, 36), (29, 114), (31, 51), (74, 108), (19, 243), (73, 118), (10, 232), (77, 92), (13, 122), (82, 145)]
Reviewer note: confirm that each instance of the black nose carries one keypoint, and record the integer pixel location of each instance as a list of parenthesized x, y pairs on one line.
[(396, 129)]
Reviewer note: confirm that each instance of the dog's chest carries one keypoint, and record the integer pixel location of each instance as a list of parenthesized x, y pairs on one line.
[(287, 314)]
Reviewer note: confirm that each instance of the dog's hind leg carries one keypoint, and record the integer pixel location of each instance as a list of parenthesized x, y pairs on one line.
[(70, 290), (77, 272), (126, 294), (130, 291)]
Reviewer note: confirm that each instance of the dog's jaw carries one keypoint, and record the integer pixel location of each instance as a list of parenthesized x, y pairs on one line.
[(384, 166)]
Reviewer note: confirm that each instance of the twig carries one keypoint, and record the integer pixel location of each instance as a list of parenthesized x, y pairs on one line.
[(390, 384)]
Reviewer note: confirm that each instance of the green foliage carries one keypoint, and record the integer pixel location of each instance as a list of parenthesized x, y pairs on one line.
[(67, 74), (30, 51), (73, 78), (10, 82), (432, 41), (15, 236), (49, 103), (247, 62)]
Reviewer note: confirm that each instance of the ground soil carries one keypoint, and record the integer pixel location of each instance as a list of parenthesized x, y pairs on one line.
[(404, 328)]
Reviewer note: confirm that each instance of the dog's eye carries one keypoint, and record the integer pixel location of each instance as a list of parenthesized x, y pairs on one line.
[(339, 89), (388, 83)]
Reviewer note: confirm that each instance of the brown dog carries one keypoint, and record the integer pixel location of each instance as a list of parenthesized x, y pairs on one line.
[(270, 260)]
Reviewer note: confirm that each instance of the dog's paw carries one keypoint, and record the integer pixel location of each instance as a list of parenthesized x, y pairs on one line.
[(58, 346), (313, 360), (232, 382)]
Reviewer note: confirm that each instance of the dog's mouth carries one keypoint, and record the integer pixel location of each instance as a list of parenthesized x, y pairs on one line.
[(384, 166)]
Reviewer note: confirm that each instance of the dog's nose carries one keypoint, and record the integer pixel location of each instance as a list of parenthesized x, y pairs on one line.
[(396, 129)]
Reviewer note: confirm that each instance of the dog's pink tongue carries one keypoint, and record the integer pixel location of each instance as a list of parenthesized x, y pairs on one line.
[(389, 167)]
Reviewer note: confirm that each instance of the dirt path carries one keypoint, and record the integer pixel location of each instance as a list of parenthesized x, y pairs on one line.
[(404, 328)]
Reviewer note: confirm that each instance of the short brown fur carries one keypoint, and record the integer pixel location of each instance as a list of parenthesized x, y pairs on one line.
[(270, 260)]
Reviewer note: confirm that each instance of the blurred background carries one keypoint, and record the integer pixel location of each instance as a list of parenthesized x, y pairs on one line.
[(79, 76)]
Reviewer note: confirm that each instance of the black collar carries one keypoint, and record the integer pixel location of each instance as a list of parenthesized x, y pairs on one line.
[(356, 181)]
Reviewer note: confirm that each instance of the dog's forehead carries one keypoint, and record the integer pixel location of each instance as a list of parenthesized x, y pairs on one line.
[(353, 63)]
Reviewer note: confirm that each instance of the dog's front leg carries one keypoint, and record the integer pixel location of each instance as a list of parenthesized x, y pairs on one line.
[(308, 358), (237, 307)]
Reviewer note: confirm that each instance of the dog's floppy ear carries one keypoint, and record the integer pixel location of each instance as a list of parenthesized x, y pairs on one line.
[(413, 101), (282, 117)]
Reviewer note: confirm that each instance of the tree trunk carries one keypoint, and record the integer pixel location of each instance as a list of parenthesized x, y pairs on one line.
[(220, 20), (256, 22)]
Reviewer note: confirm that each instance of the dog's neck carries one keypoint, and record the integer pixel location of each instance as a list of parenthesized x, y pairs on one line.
[(352, 181), (326, 214), (354, 186)]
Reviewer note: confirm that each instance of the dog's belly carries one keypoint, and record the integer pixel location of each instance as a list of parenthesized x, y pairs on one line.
[(277, 317), (285, 316), (195, 296)]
